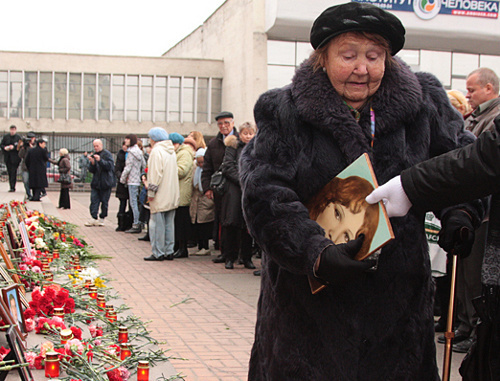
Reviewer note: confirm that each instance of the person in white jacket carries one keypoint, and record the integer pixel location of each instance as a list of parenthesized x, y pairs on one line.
[(163, 195)]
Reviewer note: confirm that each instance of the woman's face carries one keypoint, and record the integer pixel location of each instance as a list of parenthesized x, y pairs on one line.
[(127, 142), (246, 135), (355, 66), (340, 224)]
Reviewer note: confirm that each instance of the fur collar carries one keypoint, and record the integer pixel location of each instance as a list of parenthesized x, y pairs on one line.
[(397, 100)]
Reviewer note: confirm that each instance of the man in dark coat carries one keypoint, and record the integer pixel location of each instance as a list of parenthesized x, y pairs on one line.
[(36, 162), (467, 173), (213, 159), (103, 180), (364, 325), (10, 155)]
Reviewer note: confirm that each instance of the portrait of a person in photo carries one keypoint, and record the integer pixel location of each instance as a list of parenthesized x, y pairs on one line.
[(341, 210)]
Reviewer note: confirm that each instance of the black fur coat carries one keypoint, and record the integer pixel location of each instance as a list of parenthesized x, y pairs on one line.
[(378, 328)]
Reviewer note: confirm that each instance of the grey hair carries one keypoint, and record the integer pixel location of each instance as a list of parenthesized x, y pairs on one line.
[(485, 76)]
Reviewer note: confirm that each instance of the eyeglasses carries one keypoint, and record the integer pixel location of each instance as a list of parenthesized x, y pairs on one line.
[(225, 123)]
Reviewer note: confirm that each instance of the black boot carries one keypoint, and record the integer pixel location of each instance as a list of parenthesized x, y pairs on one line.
[(182, 252), (120, 227), (146, 237)]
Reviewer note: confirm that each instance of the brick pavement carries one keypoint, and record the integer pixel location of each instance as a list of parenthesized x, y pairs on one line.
[(204, 313)]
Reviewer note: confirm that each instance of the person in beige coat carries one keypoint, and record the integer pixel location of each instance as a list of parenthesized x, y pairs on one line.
[(163, 195), (201, 209)]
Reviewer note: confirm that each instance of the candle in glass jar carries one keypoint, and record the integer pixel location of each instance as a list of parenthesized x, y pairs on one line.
[(52, 364), (122, 334), (55, 254), (143, 371), (93, 292), (66, 335), (125, 351), (59, 311), (101, 302)]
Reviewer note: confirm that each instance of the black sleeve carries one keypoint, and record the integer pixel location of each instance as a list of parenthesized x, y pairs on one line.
[(230, 166), (461, 175), (208, 170)]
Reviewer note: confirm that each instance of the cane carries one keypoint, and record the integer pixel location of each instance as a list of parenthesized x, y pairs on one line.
[(450, 334)]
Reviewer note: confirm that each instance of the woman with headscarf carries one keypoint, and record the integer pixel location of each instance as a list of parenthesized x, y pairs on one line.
[(64, 165), (350, 97)]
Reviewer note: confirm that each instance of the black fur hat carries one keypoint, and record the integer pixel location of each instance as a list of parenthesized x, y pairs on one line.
[(356, 17)]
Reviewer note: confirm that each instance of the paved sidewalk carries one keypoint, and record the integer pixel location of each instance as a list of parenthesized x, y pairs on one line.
[(204, 313)]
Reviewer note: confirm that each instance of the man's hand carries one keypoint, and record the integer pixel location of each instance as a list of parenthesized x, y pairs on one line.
[(337, 264), (91, 160), (150, 199), (393, 196), (97, 157), (209, 194), (457, 233)]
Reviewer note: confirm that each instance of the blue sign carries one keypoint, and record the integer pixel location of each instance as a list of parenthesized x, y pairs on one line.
[(428, 9)]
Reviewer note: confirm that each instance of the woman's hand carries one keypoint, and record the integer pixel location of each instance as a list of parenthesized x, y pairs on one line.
[(337, 264), (393, 196)]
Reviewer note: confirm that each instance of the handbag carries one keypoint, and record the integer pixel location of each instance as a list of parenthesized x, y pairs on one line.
[(64, 178), (218, 182)]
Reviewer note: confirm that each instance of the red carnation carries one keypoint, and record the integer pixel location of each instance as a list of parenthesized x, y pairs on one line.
[(77, 332), (29, 313), (38, 362)]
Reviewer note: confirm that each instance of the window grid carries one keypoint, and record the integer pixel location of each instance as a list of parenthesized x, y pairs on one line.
[(66, 95)]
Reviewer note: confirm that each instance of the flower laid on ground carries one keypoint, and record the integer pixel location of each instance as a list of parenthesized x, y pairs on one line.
[(43, 302), (97, 357)]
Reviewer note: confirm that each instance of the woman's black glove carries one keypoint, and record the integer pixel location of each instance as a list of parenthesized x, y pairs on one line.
[(337, 264), (457, 233)]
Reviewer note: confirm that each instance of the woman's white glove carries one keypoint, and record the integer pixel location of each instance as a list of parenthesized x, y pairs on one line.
[(393, 196)]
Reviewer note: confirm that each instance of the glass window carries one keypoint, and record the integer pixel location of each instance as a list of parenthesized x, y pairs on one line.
[(464, 63), (103, 93), (118, 97), (132, 97), (45, 95), (202, 102), (281, 53), (304, 50), (60, 88), (437, 63), (411, 57), (216, 92), (75, 96), (146, 97), (188, 99), (89, 89), (279, 76), (3, 93), (161, 99), (16, 91), (492, 62), (30, 94), (174, 94)]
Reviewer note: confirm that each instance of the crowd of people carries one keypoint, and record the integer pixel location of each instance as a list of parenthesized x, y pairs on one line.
[(166, 187)]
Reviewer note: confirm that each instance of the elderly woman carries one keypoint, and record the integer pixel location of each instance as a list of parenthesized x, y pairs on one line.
[(350, 97)]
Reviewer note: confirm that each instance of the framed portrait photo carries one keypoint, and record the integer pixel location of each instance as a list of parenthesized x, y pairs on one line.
[(9, 320), (5, 277), (12, 300), (16, 346), (8, 264)]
